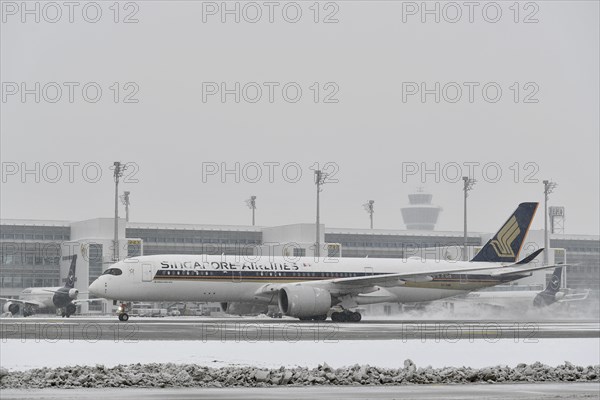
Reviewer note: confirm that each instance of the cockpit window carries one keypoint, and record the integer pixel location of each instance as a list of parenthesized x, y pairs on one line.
[(113, 271)]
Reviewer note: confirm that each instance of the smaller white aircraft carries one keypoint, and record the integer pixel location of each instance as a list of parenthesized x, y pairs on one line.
[(33, 299)]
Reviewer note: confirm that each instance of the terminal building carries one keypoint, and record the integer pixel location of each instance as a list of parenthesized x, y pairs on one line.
[(37, 252)]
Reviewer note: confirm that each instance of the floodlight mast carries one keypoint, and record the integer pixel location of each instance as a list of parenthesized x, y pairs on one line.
[(118, 173), (125, 200), (549, 187), (370, 210), (320, 178), (468, 184), (251, 203)]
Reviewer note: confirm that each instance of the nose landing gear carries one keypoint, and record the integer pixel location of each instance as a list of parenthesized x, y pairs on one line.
[(122, 311)]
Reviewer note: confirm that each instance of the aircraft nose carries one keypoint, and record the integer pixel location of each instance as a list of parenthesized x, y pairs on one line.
[(95, 288)]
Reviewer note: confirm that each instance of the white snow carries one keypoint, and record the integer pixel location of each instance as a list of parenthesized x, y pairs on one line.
[(21, 355)]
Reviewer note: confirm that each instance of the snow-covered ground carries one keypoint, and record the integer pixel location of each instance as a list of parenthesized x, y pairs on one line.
[(19, 355)]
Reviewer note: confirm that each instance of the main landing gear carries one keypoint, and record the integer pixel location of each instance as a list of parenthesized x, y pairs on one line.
[(68, 310), (346, 316), (122, 311), (27, 311), (337, 316)]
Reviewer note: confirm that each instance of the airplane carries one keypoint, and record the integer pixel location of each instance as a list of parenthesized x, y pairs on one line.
[(63, 298), (513, 299), (313, 288)]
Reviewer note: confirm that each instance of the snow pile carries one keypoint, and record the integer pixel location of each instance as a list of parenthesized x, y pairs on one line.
[(191, 375)]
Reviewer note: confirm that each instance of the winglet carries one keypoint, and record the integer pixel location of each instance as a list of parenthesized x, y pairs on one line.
[(530, 257)]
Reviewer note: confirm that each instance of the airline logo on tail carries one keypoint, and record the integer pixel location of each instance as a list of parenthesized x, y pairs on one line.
[(506, 244), (71, 279), (507, 235), (555, 281), (71, 276)]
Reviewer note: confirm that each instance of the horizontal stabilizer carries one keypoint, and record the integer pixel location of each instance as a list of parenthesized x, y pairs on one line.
[(577, 296)]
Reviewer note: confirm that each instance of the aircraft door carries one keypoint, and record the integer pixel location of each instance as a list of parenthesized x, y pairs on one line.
[(147, 272), (236, 276)]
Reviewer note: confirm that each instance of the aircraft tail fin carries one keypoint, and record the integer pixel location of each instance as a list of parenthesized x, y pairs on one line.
[(71, 276), (549, 295), (555, 281), (508, 241)]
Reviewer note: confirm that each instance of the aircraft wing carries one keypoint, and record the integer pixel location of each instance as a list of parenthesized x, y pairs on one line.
[(79, 301), (355, 284), (517, 270), (28, 302), (365, 284)]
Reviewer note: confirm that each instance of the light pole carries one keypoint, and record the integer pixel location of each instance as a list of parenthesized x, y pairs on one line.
[(118, 173), (125, 201), (370, 209), (549, 186), (320, 177), (251, 203), (468, 184)]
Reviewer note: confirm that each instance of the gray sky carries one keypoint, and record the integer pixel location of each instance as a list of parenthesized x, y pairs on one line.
[(374, 132)]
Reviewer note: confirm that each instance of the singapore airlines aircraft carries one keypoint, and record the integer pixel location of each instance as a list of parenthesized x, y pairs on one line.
[(308, 288), (63, 298)]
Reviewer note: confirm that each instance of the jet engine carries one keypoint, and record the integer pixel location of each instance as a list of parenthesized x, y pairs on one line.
[(244, 308), (304, 301), (73, 293), (559, 295), (544, 299), (12, 308)]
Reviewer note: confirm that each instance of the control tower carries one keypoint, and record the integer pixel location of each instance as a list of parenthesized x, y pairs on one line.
[(420, 214)]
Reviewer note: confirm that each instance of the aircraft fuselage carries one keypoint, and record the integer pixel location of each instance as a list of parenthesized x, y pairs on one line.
[(231, 279)]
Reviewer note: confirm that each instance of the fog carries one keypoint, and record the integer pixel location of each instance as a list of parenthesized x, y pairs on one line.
[(386, 98)]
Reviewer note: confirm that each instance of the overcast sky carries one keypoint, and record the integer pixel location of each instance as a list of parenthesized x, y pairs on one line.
[(369, 127)]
